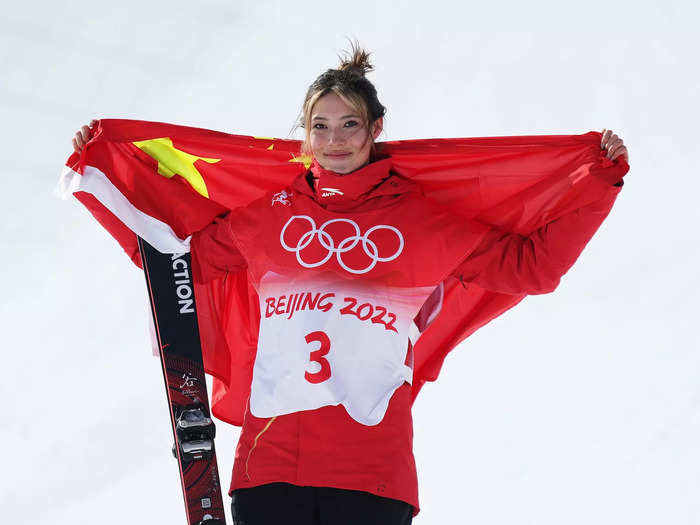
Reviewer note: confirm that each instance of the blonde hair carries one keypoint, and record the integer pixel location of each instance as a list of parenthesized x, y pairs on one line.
[(351, 85)]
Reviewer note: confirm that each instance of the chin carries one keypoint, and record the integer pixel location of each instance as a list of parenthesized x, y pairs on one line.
[(342, 170), (343, 167)]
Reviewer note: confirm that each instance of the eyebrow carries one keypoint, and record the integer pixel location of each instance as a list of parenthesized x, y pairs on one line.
[(344, 116)]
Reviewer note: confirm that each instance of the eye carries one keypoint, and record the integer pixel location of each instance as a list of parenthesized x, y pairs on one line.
[(318, 125), (350, 123)]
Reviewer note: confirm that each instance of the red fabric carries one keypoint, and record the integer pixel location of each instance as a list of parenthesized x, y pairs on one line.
[(516, 184), (371, 195), (325, 447), (533, 264)]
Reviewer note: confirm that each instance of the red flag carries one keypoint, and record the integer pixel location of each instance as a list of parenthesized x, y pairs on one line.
[(164, 182)]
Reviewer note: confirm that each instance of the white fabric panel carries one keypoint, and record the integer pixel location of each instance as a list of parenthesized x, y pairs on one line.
[(156, 233)]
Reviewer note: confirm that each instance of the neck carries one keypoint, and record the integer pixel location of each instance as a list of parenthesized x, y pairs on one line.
[(331, 186)]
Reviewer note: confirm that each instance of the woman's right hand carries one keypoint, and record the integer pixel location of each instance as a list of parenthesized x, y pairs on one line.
[(82, 136)]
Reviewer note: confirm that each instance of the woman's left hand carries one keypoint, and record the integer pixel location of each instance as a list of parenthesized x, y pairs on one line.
[(614, 145)]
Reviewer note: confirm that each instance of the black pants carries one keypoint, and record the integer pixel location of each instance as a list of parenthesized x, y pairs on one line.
[(286, 504)]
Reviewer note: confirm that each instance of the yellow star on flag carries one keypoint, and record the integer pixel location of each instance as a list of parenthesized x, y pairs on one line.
[(173, 161), (306, 160)]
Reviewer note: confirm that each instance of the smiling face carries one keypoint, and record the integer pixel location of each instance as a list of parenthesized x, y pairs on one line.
[(340, 140)]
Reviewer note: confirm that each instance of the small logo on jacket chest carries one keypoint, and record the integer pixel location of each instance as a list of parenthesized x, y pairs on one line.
[(328, 192), (282, 198)]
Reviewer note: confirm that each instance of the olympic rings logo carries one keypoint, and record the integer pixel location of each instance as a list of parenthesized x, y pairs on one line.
[(347, 244)]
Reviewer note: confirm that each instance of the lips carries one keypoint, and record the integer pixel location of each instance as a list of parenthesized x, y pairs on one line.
[(338, 155)]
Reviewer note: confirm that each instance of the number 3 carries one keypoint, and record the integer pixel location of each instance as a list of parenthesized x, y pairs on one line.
[(317, 357)]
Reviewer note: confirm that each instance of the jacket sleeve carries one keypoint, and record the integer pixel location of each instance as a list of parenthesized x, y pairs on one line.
[(516, 264), (214, 252)]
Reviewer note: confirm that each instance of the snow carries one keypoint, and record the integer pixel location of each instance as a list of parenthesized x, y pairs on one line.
[(578, 407)]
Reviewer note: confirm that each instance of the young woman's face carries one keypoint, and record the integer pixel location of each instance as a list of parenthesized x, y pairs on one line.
[(340, 141)]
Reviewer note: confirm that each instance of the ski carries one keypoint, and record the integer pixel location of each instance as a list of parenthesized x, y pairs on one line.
[(171, 292)]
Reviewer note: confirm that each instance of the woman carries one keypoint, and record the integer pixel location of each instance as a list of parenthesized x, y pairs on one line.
[(339, 263)]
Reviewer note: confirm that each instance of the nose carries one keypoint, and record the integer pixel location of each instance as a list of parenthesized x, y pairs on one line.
[(336, 136)]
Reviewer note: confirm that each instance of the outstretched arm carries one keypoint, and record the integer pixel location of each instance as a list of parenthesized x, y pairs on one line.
[(516, 264), (534, 264)]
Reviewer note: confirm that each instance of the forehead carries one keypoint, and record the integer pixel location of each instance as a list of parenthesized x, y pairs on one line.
[(332, 106)]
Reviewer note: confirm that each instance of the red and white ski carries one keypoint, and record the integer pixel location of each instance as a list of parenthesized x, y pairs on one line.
[(171, 291)]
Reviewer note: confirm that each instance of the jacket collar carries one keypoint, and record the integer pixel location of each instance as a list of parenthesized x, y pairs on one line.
[(331, 187), (339, 192)]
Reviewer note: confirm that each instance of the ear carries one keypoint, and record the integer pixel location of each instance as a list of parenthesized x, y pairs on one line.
[(377, 127)]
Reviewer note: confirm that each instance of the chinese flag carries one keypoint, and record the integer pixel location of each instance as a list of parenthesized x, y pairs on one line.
[(163, 182)]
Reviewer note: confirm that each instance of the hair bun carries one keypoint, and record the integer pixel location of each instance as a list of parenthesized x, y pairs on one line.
[(350, 84), (356, 61)]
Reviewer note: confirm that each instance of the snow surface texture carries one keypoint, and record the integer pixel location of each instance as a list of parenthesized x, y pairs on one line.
[(578, 407)]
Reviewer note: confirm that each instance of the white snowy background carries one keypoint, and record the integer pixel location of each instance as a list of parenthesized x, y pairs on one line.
[(579, 407)]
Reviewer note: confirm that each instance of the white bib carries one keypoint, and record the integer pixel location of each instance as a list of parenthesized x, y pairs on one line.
[(331, 341)]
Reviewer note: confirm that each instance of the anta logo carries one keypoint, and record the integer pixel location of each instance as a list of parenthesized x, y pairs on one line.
[(327, 192), (373, 253)]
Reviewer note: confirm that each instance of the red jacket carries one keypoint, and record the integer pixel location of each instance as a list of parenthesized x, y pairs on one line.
[(323, 445)]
